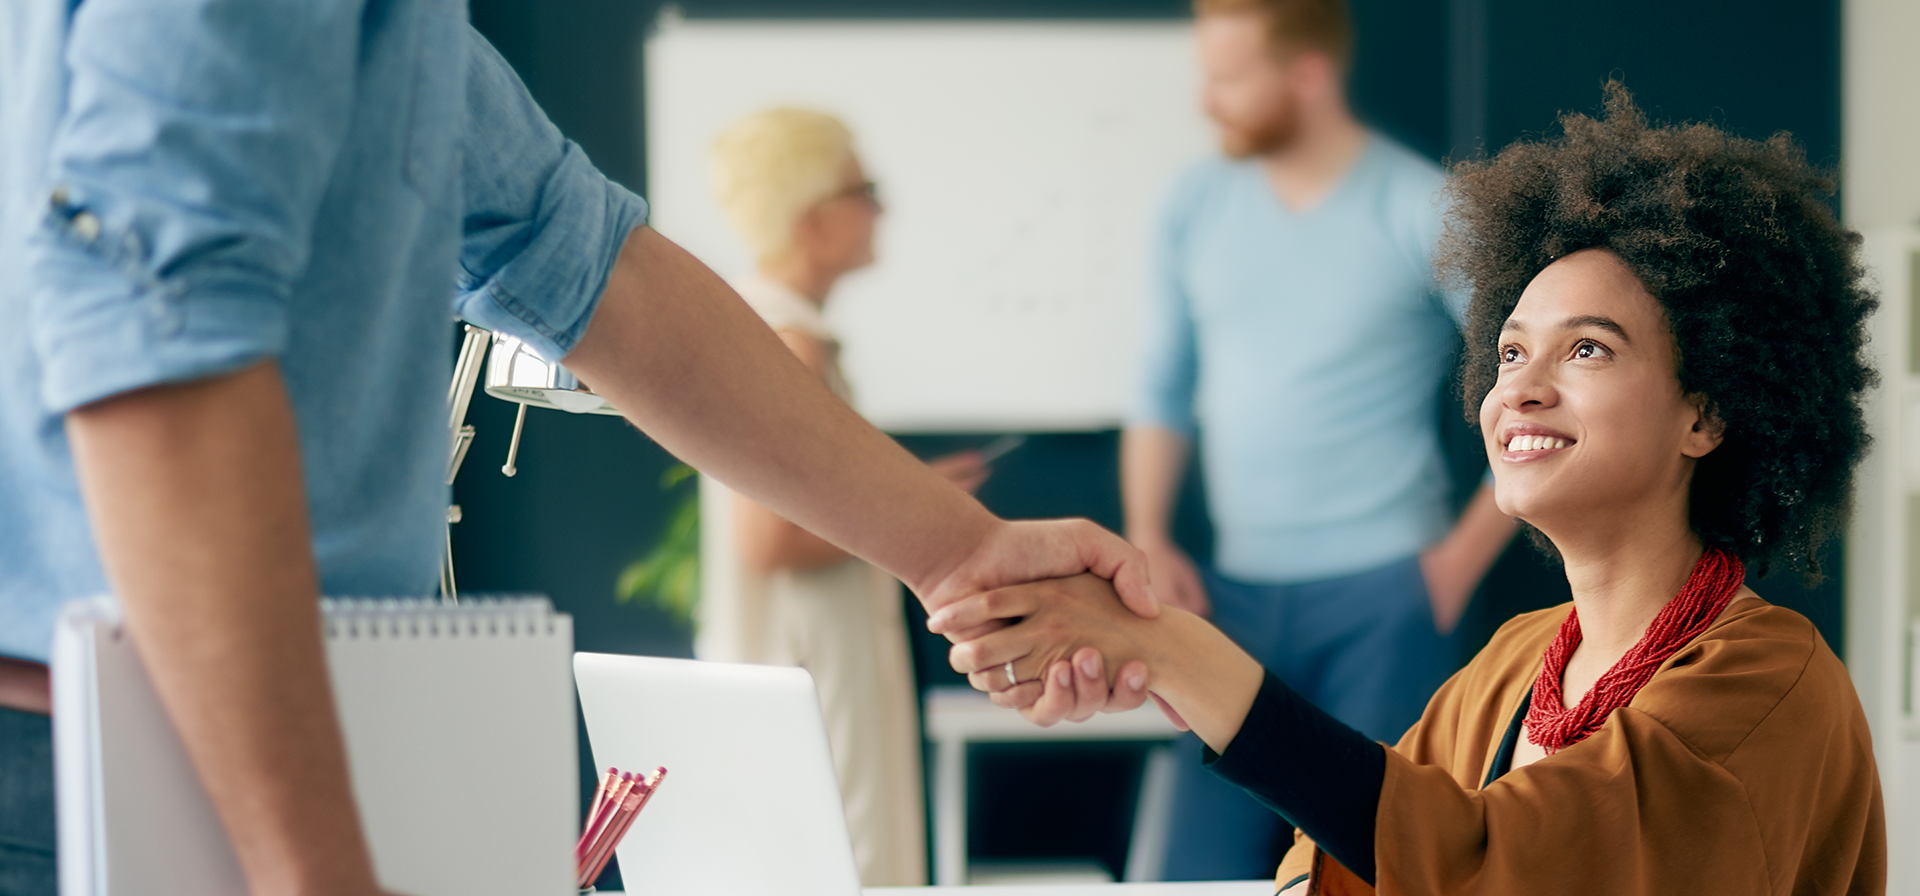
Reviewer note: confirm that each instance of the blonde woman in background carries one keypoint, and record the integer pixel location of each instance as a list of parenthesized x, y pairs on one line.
[(789, 182)]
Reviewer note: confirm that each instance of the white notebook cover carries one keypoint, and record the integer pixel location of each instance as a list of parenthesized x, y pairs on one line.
[(459, 723)]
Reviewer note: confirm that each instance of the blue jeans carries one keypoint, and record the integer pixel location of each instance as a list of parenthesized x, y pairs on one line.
[(1362, 647), (26, 804)]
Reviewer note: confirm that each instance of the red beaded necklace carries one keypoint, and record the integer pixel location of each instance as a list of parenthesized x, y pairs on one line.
[(1554, 727)]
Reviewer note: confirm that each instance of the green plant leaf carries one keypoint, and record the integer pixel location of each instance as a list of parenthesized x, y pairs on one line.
[(667, 577)]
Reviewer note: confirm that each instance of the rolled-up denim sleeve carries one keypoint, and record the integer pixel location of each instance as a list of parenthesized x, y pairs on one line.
[(183, 180), (543, 226), (1169, 360)]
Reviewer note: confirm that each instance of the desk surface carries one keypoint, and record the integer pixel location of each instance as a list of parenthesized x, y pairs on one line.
[(1206, 888), (966, 714)]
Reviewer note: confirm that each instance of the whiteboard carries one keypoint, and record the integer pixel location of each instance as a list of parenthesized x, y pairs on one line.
[(1021, 163)]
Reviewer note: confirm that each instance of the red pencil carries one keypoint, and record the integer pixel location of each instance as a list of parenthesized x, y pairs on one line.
[(600, 793), (597, 825), (651, 784), (602, 847)]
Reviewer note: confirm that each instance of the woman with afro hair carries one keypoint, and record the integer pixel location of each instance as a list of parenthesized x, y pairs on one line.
[(1665, 359)]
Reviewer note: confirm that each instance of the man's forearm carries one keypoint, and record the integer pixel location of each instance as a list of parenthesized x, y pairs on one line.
[(1153, 460), (195, 495), (696, 369)]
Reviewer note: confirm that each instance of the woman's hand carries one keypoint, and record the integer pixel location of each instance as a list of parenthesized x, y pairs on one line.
[(1058, 617), (1077, 689)]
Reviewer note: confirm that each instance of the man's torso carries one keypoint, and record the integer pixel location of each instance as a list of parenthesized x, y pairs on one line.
[(1321, 349), (366, 359)]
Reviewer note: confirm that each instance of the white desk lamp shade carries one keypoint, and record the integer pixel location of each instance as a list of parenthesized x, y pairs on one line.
[(518, 374)]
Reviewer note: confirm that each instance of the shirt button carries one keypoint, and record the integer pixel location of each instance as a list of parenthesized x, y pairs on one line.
[(58, 198), (86, 226)]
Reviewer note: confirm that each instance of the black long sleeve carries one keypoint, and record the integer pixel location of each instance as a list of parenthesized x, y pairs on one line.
[(1316, 772)]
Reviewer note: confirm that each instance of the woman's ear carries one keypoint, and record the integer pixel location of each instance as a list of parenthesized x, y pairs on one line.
[(1707, 431)]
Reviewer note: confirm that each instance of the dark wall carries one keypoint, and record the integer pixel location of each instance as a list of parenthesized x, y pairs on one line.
[(1449, 79), (1753, 67)]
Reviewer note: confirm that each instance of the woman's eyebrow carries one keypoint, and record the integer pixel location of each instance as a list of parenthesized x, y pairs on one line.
[(1596, 321)]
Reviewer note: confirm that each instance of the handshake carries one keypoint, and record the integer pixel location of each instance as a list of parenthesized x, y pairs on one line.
[(1065, 647), (1046, 648)]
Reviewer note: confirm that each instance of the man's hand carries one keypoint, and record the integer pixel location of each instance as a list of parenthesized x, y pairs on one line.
[(1018, 553), (1454, 567), (1450, 585), (1174, 575)]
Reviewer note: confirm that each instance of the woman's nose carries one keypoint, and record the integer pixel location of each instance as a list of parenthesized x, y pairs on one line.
[(1530, 387)]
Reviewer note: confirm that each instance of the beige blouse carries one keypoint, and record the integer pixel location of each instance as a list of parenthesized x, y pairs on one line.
[(844, 624)]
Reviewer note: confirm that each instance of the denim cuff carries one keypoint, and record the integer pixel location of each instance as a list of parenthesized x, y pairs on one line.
[(547, 293), (103, 324)]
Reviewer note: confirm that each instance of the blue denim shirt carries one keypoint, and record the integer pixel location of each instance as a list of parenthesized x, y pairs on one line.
[(188, 187)]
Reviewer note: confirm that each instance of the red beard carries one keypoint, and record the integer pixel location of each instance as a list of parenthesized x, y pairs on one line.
[(1246, 140)]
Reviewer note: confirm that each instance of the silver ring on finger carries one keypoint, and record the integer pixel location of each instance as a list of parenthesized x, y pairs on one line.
[(1012, 679)]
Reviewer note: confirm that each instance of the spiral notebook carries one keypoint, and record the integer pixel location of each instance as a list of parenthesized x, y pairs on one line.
[(459, 722)]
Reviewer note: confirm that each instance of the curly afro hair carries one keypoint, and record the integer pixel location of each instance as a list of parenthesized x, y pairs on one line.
[(1762, 288)]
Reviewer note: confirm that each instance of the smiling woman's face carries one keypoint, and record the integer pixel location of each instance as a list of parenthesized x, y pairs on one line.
[(1586, 425)]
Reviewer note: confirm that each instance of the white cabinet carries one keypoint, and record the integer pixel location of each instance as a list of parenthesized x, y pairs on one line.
[(1883, 550)]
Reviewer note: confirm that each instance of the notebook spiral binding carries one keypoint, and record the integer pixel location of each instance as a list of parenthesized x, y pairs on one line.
[(506, 616)]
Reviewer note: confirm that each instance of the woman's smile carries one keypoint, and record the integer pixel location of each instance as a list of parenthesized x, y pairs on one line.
[(1528, 442)]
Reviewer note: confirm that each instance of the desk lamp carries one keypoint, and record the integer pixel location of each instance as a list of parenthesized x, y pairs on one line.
[(516, 373)]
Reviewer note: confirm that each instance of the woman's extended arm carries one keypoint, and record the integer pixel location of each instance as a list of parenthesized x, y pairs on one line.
[(1316, 772)]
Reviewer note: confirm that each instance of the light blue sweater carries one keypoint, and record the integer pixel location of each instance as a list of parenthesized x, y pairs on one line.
[(1309, 350)]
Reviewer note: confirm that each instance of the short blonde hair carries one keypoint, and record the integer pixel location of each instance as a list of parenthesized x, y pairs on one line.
[(770, 167), (1296, 25)]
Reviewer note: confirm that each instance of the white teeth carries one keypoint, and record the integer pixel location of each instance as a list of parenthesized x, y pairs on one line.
[(1536, 443)]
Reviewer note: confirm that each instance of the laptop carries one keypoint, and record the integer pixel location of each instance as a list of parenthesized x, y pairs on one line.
[(750, 803)]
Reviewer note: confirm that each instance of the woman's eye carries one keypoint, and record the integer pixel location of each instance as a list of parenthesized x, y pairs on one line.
[(1509, 355), (1589, 349)]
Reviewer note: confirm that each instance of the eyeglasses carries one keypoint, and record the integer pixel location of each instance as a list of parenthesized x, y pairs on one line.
[(867, 190)]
